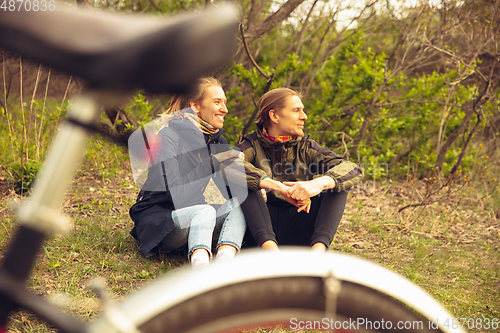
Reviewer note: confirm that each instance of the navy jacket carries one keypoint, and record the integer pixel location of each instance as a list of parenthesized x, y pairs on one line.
[(179, 173)]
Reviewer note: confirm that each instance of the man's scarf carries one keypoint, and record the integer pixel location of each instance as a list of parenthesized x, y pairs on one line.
[(278, 138)]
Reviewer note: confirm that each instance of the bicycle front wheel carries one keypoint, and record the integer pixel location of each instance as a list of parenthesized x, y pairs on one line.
[(287, 288)]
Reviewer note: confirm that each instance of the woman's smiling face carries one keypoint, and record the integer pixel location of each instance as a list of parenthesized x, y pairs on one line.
[(212, 107)]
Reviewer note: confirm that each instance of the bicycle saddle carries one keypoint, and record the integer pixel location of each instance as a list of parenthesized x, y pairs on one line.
[(112, 50)]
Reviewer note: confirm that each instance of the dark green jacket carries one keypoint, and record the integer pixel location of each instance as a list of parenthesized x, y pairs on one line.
[(299, 159)]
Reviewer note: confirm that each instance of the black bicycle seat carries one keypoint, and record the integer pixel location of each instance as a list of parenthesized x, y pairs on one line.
[(112, 50)]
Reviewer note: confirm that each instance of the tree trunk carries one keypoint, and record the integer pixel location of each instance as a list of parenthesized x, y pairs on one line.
[(368, 118), (299, 39), (453, 136), (272, 20)]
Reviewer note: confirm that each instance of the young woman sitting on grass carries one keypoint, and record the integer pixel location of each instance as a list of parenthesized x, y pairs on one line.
[(171, 210)]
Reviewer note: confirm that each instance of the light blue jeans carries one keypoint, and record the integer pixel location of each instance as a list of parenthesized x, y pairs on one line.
[(201, 226)]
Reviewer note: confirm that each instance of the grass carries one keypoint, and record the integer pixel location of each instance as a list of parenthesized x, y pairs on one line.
[(449, 247), (99, 243)]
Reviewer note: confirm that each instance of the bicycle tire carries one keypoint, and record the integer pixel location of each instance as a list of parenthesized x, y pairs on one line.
[(261, 303), (246, 298)]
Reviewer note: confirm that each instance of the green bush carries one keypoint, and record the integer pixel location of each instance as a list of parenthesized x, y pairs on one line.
[(23, 175)]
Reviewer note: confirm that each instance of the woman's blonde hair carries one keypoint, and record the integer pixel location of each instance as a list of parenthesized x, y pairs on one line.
[(273, 100), (182, 102)]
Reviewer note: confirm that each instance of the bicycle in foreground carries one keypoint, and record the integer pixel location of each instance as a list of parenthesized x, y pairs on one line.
[(299, 289)]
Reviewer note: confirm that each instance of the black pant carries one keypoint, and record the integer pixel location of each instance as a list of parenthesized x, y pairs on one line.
[(282, 224)]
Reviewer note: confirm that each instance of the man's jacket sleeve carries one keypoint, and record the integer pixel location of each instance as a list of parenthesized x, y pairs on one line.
[(322, 161), (252, 176)]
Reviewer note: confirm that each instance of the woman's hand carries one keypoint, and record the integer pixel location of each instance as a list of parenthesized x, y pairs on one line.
[(233, 153)]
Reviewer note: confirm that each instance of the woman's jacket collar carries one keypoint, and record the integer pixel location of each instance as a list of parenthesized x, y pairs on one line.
[(185, 128)]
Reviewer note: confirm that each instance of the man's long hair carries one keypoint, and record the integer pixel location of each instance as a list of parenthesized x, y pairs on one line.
[(273, 100)]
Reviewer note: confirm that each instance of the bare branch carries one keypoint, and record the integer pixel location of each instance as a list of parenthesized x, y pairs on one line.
[(155, 6), (454, 56), (411, 100), (264, 74)]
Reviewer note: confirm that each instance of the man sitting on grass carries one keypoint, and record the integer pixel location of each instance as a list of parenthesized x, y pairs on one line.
[(306, 183)]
